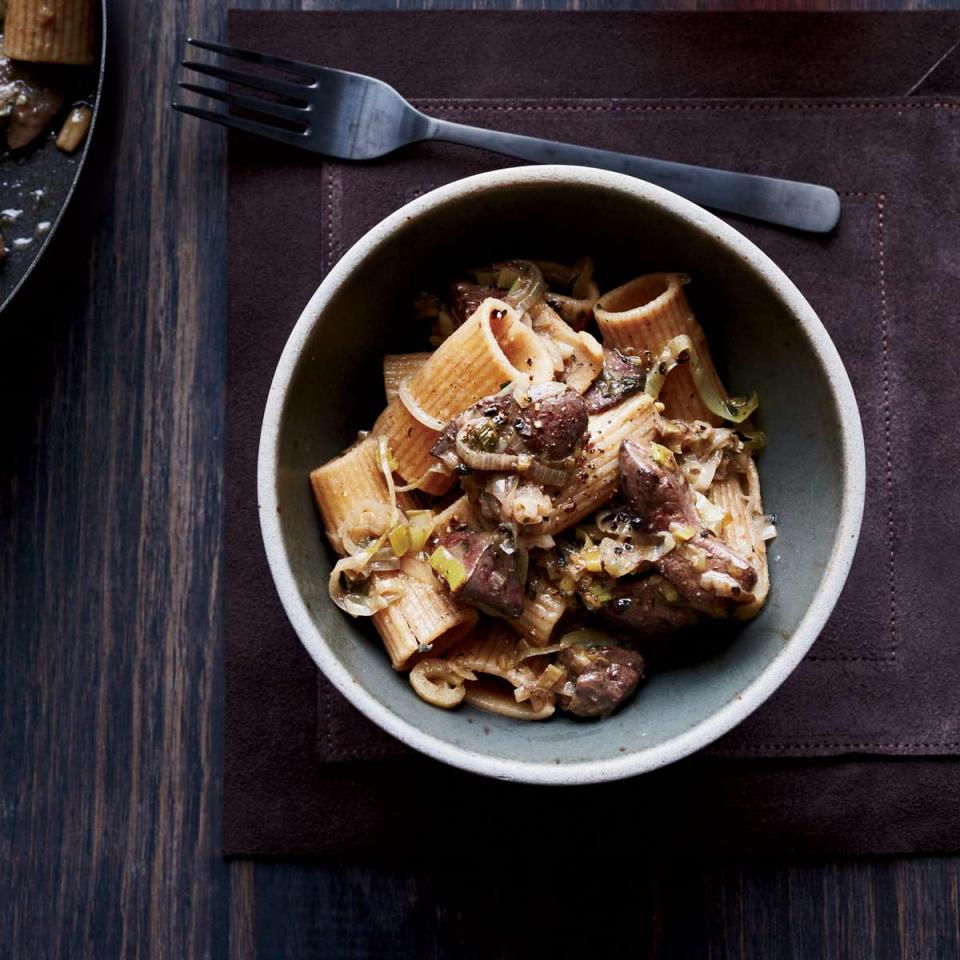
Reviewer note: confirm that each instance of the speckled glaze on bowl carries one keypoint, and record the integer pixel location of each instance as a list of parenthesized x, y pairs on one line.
[(328, 385)]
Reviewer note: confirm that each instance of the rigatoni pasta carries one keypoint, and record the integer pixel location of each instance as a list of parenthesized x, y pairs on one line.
[(49, 31), (543, 608), (493, 654), (597, 475), (356, 505), (746, 529), (496, 347), (645, 316), (398, 367), (533, 506), (35, 32), (350, 483), (641, 318), (422, 621), (579, 357)]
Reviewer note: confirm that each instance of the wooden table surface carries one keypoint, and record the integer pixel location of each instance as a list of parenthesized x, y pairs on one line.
[(111, 688)]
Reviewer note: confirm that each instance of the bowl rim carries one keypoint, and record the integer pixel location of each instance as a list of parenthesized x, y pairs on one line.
[(764, 684)]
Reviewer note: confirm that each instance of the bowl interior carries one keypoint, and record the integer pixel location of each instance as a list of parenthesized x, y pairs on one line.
[(336, 389)]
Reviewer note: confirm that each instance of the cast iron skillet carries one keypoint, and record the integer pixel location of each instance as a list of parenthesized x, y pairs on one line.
[(42, 167)]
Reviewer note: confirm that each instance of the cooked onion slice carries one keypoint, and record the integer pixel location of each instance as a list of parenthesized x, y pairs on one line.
[(721, 584), (418, 569), (524, 464), (441, 468), (366, 596), (681, 349), (414, 408), (440, 682), (530, 504), (713, 516), (622, 558), (585, 637), (495, 699), (370, 519), (525, 282), (583, 286)]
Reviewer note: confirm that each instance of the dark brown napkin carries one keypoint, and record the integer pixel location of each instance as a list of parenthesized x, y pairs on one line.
[(304, 771)]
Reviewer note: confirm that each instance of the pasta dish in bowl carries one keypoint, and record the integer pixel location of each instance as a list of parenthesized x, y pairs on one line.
[(535, 503), (495, 490)]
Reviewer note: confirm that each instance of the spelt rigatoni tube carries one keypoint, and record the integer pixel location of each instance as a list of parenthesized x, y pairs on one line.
[(460, 513), (347, 482), (596, 477), (424, 621), (540, 615), (580, 353), (641, 316), (492, 348), (491, 653), (424, 618), (739, 498), (397, 367), (49, 31)]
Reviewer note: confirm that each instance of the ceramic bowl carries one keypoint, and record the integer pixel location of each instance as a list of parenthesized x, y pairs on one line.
[(765, 336)]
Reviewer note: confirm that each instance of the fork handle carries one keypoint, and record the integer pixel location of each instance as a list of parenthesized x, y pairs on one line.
[(803, 206)]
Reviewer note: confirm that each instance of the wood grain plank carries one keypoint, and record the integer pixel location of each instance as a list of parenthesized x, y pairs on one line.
[(110, 506), (890, 909), (703, 5), (243, 930)]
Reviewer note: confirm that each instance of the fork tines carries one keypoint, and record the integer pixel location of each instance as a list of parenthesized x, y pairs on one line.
[(294, 115)]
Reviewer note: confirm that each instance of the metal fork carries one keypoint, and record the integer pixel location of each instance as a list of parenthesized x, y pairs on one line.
[(354, 117)]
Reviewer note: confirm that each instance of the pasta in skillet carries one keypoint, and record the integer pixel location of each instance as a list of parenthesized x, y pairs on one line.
[(535, 504), (50, 31)]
